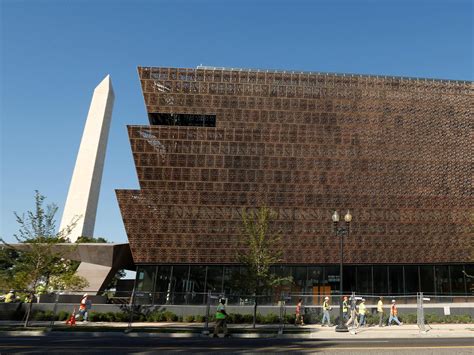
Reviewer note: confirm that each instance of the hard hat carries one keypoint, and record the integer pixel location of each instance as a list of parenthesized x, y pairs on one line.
[(393, 301), (85, 295), (326, 298)]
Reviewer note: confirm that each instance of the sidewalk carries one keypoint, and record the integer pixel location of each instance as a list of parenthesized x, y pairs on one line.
[(311, 331)]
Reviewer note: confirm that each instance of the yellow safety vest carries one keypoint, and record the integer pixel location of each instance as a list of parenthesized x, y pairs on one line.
[(362, 309), (219, 314), (9, 298), (325, 305), (344, 306)]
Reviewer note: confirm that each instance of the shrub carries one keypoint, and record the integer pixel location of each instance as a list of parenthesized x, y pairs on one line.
[(95, 317), (238, 318), (433, 318), (43, 315), (247, 318), (170, 316), (199, 318), (189, 318), (122, 317), (62, 315), (156, 316), (290, 319), (409, 318), (110, 317), (271, 318), (38, 315)]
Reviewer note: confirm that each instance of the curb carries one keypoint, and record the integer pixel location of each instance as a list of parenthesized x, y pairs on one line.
[(42, 333)]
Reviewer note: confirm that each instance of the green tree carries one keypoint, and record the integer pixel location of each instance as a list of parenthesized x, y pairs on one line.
[(260, 254), (84, 239), (35, 262)]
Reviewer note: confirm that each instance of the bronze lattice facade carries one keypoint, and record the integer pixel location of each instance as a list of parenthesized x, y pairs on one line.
[(397, 152)]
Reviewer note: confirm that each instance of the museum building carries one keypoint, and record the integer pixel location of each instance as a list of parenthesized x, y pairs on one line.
[(397, 152)]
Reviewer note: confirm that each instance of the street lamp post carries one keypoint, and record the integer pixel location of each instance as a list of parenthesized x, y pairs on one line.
[(341, 231)]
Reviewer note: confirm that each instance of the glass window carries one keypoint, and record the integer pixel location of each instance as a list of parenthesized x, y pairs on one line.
[(145, 276), (196, 284), (427, 278), (395, 277), (315, 284), (457, 279), (179, 280), (470, 280), (214, 279), (411, 279), (442, 279), (349, 280), (182, 119), (162, 293), (331, 277), (232, 284), (364, 280), (380, 280), (299, 279), (281, 271)]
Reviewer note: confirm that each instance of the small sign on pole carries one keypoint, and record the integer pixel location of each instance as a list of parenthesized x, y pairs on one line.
[(447, 311)]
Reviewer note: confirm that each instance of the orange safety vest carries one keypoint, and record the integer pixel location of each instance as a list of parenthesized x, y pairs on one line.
[(83, 303), (394, 310)]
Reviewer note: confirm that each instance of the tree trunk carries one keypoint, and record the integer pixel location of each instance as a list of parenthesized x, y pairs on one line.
[(255, 312), (28, 312)]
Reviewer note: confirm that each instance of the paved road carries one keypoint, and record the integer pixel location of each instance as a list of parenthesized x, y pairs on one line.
[(56, 344)]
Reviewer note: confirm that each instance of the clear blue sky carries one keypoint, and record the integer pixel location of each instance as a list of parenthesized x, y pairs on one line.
[(53, 54)]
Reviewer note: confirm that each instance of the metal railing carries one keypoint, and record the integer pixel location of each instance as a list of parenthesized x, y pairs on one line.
[(131, 306)]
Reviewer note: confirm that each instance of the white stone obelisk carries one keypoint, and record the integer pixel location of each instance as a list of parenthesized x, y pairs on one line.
[(84, 190)]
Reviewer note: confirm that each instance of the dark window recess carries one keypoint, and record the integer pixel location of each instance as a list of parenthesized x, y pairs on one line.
[(181, 119)]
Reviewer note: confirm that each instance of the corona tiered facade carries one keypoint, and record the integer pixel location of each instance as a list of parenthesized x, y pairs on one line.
[(397, 152)]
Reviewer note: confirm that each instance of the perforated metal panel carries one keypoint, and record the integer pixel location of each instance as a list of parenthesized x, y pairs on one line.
[(397, 152)]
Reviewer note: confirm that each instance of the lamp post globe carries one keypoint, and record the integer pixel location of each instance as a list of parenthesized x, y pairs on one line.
[(348, 217)]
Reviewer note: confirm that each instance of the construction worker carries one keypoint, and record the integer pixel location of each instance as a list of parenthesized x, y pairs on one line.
[(380, 310), (221, 322), (10, 297), (394, 314), (345, 309), (83, 307), (326, 309), (353, 319), (362, 313)]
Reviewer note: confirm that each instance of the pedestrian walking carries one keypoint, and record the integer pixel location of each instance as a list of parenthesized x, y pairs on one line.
[(353, 319), (221, 319), (345, 309), (84, 307), (362, 313), (380, 310), (326, 309), (394, 314), (299, 313)]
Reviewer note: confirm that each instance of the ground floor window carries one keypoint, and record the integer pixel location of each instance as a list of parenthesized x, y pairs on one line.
[(190, 284)]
